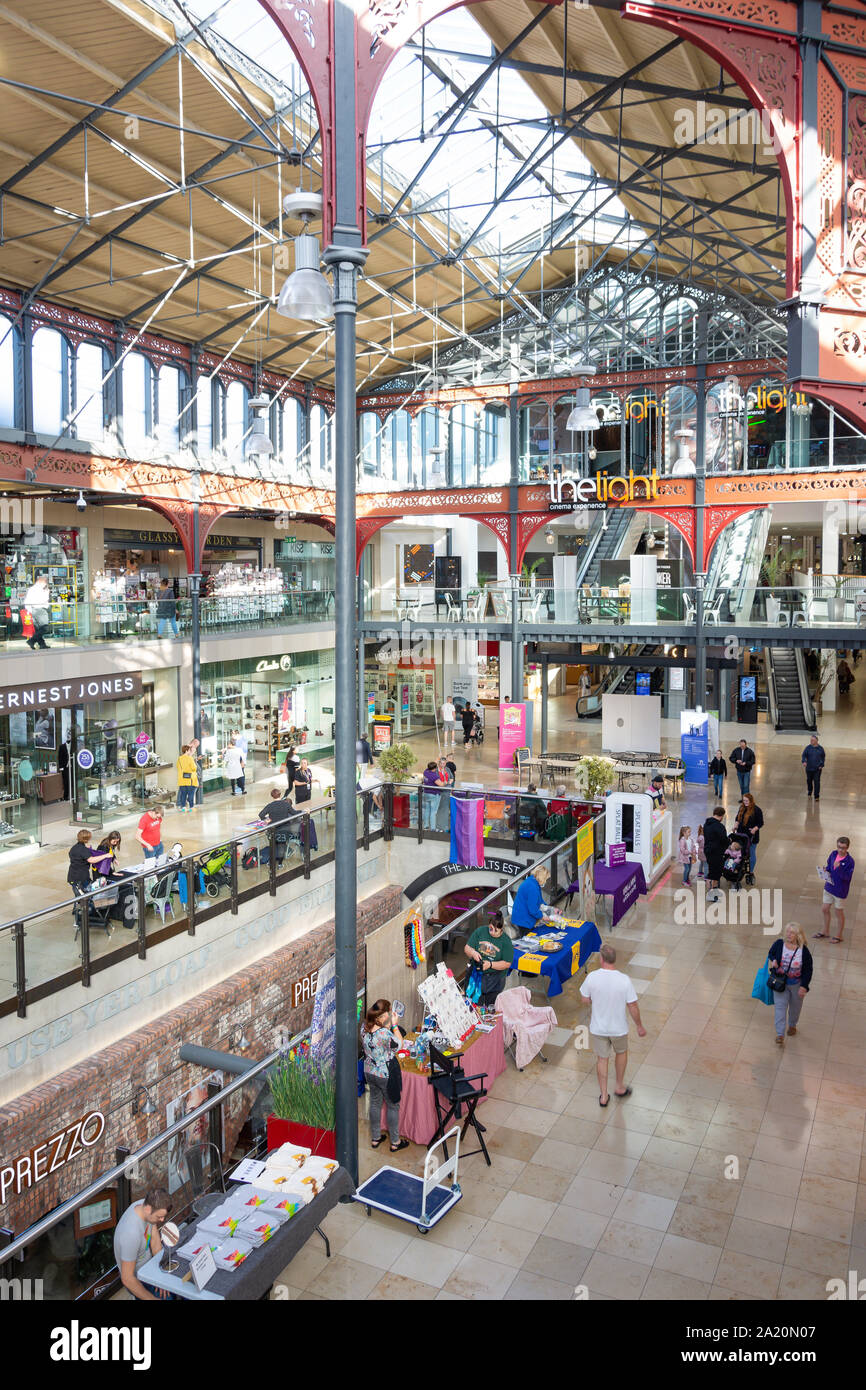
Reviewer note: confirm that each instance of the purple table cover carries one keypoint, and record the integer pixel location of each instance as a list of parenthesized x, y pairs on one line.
[(624, 884)]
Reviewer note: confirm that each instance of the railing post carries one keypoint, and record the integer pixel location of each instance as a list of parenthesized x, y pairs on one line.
[(6, 1238), (388, 819), (85, 941), (214, 1119), (517, 824), (305, 843), (365, 817), (272, 862), (140, 910), (124, 1195), (421, 795), (233, 879), (554, 872), (190, 895), (20, 977)]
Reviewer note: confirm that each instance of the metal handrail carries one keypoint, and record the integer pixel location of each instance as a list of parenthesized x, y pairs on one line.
[(46, 1222)]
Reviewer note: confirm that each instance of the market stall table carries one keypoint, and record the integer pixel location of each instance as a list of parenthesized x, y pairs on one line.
[(253, 1279), (623, 884), (483, 1052), (580, 941)]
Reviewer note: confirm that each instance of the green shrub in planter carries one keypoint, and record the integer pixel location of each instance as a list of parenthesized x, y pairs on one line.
[(396, 761)]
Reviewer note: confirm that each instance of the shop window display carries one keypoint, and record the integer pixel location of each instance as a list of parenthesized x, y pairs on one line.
[(60, 555), (240, 593)]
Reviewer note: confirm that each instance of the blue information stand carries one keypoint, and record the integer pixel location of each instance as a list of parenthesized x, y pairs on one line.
[(694, 745)]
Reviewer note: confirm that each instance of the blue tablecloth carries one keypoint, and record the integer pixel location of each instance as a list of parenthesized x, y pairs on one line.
[(624, 884), (581, 940)]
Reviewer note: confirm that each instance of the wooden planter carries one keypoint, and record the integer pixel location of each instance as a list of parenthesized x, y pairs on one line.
[(322, 1142)]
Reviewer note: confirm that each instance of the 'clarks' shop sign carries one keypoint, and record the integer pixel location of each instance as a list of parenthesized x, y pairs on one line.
[(79, 691)]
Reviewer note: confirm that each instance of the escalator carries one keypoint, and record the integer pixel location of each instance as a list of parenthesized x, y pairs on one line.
[(791, 708), (610, 543), (619, 680), (735, 568)]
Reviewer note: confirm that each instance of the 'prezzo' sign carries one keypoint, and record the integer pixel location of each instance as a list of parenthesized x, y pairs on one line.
[(61, 1148), (566, 493)]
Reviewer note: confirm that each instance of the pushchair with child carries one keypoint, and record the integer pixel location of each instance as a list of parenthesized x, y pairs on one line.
[(214, 870), (736, 865)]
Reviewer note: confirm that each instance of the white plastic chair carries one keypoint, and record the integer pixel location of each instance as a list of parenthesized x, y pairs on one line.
[(451, 609)]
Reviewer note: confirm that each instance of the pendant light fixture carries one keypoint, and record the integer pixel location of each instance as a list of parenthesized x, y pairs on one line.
[(306, 294), (259, 441), (582, 416), (683, 465)]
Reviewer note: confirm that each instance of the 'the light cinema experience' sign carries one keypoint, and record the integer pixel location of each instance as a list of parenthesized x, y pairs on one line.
[(566, 493)]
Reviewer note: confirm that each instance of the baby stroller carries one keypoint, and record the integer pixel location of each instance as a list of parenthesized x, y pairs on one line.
[(100, 910), (476, 734), (214, 870), (737, 869)]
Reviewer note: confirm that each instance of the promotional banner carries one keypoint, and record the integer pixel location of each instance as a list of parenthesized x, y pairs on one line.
[(467, 832), (512, 732), (323, 1029), (694, 744)]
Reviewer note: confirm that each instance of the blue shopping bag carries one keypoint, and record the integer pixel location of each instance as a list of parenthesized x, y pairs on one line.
[(761, 988)]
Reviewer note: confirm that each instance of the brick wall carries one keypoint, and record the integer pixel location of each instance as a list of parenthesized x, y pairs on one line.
[(257, 997)]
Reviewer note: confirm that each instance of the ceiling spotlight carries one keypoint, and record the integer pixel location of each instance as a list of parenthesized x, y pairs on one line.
[(306, 294), (81, 501), (258, 440), (146, 1107), (683, 465), (592, 452)]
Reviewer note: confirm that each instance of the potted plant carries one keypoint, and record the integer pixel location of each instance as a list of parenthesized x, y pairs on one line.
[(395, 762), (773, 566), (596, 776), (303, 1096), (836, 604)]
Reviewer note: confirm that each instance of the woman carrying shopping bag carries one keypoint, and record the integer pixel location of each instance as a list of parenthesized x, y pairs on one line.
[(790, 973)]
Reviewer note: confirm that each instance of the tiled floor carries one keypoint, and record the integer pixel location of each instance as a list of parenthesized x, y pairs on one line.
[(735, 1170)]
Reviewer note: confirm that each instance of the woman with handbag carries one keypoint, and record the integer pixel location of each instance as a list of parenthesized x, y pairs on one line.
[(187, 779), (790, 962), (380, 1038)]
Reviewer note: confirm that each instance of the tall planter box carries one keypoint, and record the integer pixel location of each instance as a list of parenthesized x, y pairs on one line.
[(322, 1142)]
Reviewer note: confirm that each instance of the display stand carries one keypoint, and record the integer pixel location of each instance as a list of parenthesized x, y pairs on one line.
[(647, 833)]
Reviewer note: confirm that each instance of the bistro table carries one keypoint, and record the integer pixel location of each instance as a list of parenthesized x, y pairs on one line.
[(623, 884), (580, 941), (254, 1278), (482, 1052)]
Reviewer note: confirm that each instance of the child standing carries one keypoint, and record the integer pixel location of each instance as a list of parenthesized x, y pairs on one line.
[(702, 858), (686, 852)]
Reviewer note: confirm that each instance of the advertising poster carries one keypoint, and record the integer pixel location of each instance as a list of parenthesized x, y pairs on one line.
[(417, 564), (196, 1133), (512, 732)]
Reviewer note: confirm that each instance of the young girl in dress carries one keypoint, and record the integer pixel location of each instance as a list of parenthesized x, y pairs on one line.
[(686, 852)]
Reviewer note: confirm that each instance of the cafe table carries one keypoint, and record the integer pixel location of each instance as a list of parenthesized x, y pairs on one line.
[(482, 1052)]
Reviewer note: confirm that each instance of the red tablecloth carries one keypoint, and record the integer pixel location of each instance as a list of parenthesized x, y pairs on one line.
[(417, 1109)]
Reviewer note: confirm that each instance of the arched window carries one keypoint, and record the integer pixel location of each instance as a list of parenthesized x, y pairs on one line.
[(607, 439), (292, 433), (320, 440), (464, 430), (369, 442), (235, 417), (168, 408), (50, 376), (429, 429), (642, 430), (89, 409), (534, 434), (204, 409), (493, 442), (398, 431), (678, 325), (7, 373), (137, 403), (681, 410)]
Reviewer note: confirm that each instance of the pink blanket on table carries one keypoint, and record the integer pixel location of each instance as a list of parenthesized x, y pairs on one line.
[(417, 1108)]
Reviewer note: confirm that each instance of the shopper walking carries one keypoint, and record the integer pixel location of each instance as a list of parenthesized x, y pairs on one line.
[(467, 719), (380, 1038), (613, 997), (36, 601), (715, 845), (743, 759), (448, 715), (749, 820), (166, 609), (838, 872), (303, 783), (702, 857), (686, 852), (718, 772), (293, 762), (187, 779), (813, 762), (492, 949), (235, 769), (845, 677), (790, 961)]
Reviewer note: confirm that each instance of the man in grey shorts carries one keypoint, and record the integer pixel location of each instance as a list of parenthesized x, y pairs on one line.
[(613, 998)]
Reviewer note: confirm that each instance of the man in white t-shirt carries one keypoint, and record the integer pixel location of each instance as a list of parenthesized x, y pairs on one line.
[(448, 715), (613, 998)]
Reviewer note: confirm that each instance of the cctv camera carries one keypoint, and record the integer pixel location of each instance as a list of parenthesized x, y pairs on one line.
[(81, 502)]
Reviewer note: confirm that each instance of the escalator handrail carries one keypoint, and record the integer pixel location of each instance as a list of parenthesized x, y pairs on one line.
[(771, 686)]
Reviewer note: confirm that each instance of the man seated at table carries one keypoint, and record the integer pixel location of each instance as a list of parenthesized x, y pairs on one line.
[(656, 790), (528, 908), (136, 1240), (492, 948)]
